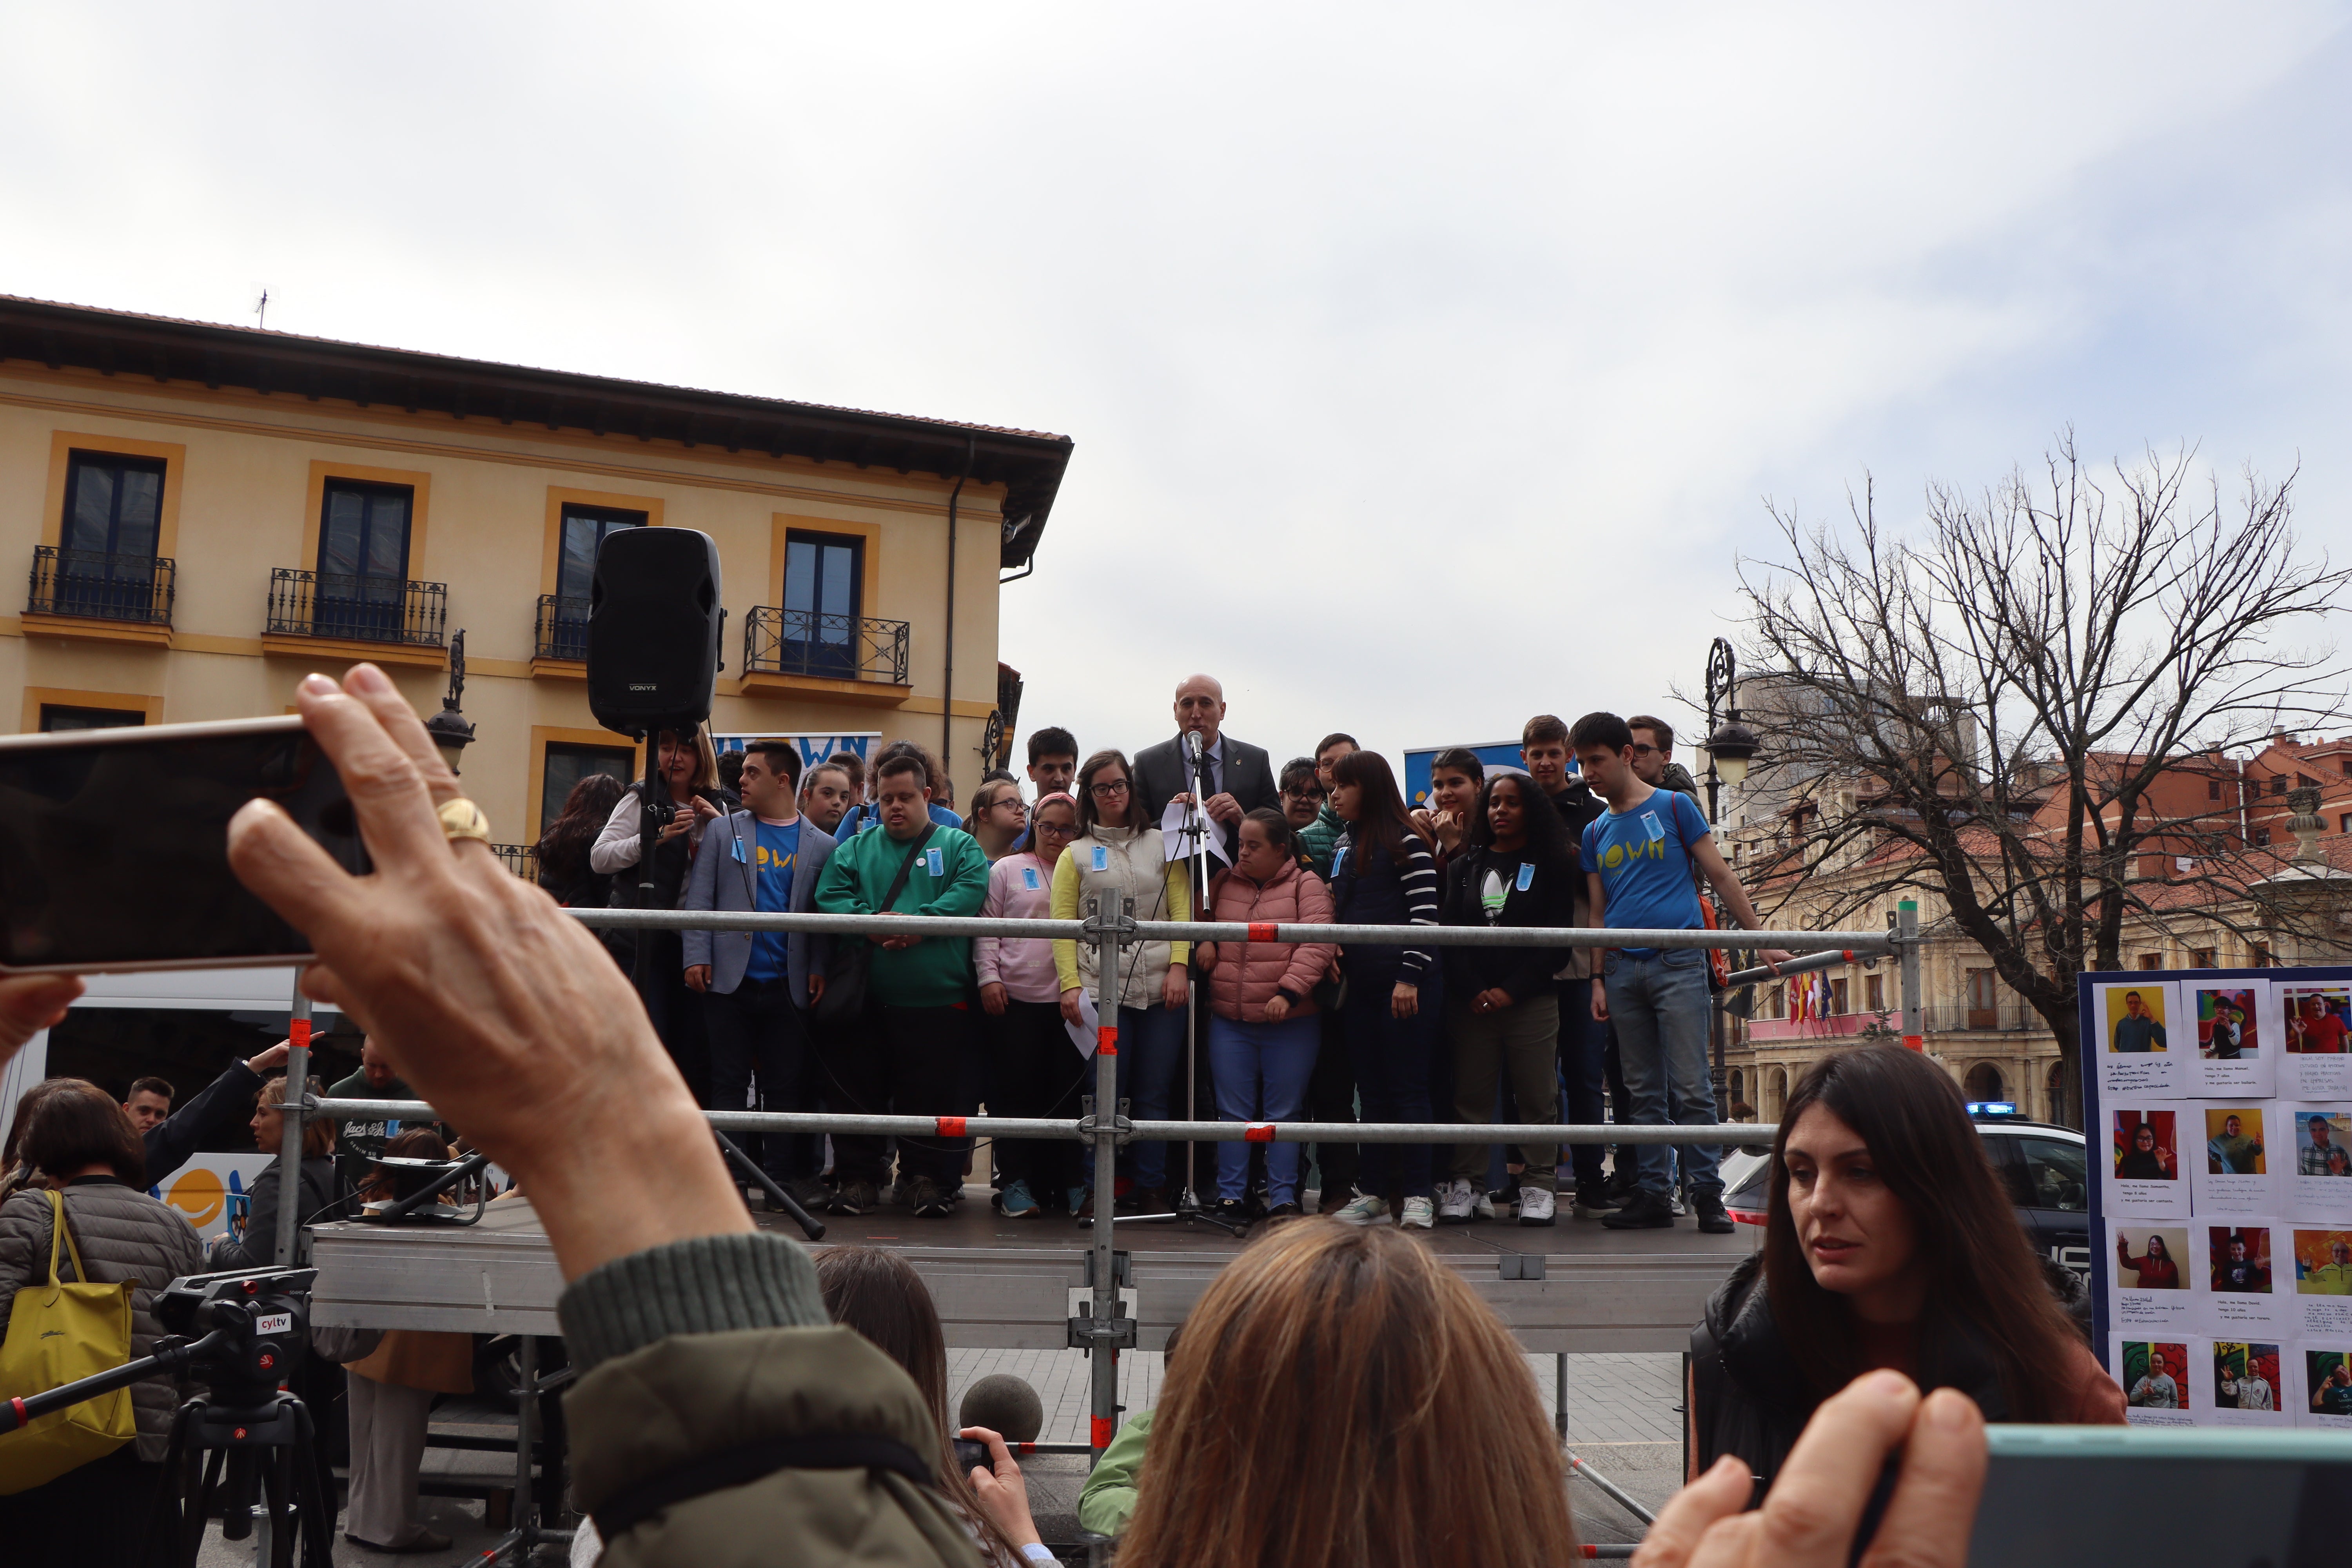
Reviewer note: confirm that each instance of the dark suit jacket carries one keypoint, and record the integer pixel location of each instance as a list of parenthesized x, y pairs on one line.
[(1161, 775)]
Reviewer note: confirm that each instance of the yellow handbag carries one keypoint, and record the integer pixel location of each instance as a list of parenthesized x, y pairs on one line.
[(57, 1333)]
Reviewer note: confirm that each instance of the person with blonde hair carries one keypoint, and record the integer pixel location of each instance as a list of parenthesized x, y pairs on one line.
[(318, 1184), (1333, 1379)]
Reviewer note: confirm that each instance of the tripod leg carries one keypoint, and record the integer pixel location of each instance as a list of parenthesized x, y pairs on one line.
[(314, 1514), (162, 1540)]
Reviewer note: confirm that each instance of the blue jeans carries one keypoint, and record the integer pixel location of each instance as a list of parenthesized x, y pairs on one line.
[(1260, 1071), (1392, 1057), (1659, 1002), (1151, 1055)]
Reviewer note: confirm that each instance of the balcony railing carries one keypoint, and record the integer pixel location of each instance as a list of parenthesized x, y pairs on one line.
[(522, 859), (841, 647), (364, 607), (563, 628), (100, 587)]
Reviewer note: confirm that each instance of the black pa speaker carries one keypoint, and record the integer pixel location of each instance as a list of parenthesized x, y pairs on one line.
[(654, 620)]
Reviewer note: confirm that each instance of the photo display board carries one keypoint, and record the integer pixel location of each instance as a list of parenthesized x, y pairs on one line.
[(2217, 1106)]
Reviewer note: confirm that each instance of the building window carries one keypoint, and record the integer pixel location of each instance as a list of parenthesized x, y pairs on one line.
[(2259, 956), (113, 505), (363, 558), (2212, 789), (2200, 958), (567, 765), (584, 531), (824, 578), (1873, 990), (2344, 822), (2151, 961), (2278, 783), (2304, 781), (1982, 1013), (2262, 837), (56, 716), (1837, 997)]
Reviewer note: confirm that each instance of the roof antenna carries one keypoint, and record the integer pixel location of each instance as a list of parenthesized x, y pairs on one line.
[(261, 305)]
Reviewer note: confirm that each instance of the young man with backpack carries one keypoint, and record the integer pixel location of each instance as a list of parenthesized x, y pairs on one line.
[(1639, 857)]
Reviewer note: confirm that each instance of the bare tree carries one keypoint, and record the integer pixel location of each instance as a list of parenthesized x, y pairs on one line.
[(2004, 691)]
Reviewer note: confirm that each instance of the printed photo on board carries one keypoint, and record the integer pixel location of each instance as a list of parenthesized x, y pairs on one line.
[(2145, 1148), (2135, 1019), (2152, 1374), (2327, 1376), (2228, 1027), (2323, 1262), (2323, 1143), (2316, 1017), (2157, 1265), (2233, 1141), (2240, 1258), (2245, 1376)]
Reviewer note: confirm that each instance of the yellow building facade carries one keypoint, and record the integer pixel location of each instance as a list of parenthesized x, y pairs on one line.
[(207, 513)]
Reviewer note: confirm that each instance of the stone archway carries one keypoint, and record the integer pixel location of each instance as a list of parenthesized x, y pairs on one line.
[(1984, 1081)]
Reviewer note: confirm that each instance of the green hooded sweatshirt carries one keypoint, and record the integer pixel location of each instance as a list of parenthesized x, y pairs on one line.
[(950, 878)]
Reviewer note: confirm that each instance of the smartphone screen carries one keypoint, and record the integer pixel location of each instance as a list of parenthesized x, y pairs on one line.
[(2059, 1497), (115, 843)]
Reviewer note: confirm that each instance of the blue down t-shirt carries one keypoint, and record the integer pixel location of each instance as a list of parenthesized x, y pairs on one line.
[(773, 861), (1643, 860)]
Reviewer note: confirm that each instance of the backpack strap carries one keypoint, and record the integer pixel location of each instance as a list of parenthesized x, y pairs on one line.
[(907, 867)]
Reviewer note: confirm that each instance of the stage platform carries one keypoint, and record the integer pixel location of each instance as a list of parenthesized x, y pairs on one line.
[(1007, 1284)]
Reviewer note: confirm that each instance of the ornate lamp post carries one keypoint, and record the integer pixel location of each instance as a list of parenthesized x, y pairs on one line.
[(450, 731), (1730, 747)]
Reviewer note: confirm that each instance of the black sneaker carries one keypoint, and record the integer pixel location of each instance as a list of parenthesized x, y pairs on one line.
[(1233, 1211), (928, 1199), (1592, 1198), (1284, 1211), (1644, 1211), (853, 1198), (1711, 1217)]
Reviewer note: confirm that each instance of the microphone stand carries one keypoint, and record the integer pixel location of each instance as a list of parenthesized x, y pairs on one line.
[(1188, 1205)]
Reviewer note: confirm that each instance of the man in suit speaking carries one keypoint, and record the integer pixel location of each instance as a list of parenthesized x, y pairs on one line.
[(1239, 776)]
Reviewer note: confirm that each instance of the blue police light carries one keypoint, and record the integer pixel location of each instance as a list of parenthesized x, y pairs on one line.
[(1992, 1108)]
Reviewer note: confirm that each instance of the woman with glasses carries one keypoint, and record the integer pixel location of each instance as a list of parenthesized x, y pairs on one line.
[(1119, 850), (997, 818), (1033, 1071)]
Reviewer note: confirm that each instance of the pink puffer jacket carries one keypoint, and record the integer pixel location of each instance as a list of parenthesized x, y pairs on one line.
[(1248, 973)]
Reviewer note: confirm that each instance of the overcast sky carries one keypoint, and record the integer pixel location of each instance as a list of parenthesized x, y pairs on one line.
[(1428, 368)]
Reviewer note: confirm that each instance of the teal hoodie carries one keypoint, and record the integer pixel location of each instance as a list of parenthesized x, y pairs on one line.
[(950, 878)]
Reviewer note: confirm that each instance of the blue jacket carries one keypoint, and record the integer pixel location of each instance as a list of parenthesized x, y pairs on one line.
[(719, 882)]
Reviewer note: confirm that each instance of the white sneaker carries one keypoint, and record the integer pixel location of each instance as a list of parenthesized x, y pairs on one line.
[(1488, 1208), (1675, 1202), (1536, 1205), (1419, 1213), (1365, 1210), (1454, 1202)]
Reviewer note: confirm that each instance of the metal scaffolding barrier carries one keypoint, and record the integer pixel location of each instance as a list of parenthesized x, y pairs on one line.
[(1099, 1330)]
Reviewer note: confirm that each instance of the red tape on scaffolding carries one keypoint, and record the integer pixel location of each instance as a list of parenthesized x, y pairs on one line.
[(950, 1126), (1102, 1428), (300, 1035), (1258, 1132), (1107, 1039), (1262, 931)]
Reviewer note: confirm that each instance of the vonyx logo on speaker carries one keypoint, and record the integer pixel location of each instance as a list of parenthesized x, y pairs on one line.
[(645, 685)]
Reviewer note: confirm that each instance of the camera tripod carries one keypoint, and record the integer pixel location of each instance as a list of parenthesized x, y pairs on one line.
[(258, 1437)]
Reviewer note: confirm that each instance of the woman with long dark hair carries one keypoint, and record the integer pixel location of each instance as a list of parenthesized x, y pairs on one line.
[(1891, 1242), (1382, 873), (1119, 850), (563, 868), (876, 1293), (689, 771), (1515, 866)]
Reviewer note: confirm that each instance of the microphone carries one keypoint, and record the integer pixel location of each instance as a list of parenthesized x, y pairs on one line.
[(1192, 744)]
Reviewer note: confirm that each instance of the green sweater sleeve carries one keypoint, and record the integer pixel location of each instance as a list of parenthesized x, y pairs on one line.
[(1108, 1500), (837, 884)]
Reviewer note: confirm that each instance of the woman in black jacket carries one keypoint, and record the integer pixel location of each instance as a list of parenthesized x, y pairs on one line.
[(1516, 867), (563, 868), (1889, 1243)]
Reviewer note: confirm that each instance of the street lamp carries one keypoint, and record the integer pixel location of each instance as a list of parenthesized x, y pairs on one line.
[(1731, 746), (450, 731)]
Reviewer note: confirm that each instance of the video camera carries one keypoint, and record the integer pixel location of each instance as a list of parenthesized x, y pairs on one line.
[(248, 1328)]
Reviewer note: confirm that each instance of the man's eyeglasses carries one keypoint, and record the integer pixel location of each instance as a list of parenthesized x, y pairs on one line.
[(1105, 790), (1642, 750)]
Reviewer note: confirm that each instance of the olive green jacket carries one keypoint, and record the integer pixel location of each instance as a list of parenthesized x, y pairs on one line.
[(686, 1383)]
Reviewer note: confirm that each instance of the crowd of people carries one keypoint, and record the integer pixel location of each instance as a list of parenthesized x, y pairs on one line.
[(1338, 1395), (1597, 826)]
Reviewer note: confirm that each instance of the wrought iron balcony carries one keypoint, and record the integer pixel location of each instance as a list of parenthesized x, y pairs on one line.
[(361, 607), (563, 628), (838, 647), (100, 586), (522, 859)]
